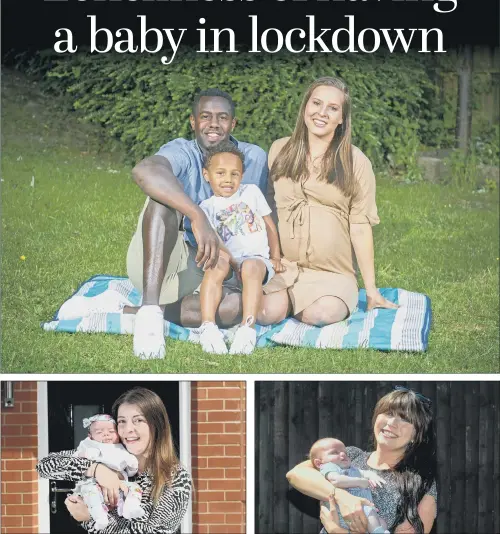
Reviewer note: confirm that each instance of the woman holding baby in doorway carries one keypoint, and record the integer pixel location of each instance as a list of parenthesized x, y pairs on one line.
[(162, 487), (400, 471), (324, 191)]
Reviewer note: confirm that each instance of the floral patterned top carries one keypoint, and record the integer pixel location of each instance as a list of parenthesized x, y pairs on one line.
[(387, 498)]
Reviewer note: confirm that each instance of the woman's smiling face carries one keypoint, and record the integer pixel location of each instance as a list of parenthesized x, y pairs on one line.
[(133, 429), (392, 431), (323, 111)]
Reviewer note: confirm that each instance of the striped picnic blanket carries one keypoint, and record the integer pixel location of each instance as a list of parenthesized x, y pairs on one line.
[(404, 329)]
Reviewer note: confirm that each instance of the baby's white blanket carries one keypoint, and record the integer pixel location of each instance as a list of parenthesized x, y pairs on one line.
[(113, 455)]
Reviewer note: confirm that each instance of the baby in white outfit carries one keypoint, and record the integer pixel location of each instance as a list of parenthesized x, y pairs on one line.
[(103, 446)]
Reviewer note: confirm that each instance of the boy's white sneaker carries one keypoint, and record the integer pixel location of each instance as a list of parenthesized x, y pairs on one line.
[(149, 337), (212, 339), (244, 340)]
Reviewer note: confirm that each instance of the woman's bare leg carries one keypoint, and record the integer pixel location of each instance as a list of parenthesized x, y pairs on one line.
[(324, 311), (275, 307)]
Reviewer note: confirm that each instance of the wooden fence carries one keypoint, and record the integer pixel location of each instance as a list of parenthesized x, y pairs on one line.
[(290, 416), (485, 86)]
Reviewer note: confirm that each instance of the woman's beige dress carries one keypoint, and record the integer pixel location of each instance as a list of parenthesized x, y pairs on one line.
[(314, 218)]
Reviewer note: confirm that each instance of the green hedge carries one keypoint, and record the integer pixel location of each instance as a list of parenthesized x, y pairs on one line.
[(145, 104)]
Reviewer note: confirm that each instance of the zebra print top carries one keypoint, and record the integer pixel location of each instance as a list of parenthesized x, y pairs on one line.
[(163, 518)]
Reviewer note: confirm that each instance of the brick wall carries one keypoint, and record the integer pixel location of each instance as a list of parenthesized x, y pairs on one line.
[(218, 456), (19, 456)]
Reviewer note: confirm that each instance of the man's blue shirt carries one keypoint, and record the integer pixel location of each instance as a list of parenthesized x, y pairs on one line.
[(186, 159)]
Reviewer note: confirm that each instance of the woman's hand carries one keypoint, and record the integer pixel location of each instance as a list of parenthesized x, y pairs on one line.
[(352, 512), (376, 300), (330, 518), (77, 508), (110, 483)]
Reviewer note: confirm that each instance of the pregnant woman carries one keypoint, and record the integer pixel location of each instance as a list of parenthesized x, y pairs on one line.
[(404, 456), (324, 190), (144, 429)]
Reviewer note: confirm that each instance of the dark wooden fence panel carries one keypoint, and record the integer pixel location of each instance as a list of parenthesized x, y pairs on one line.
[(457, 460), (443, 451), (496, 456), (290, 416), (471, 452), (281, 462), (265, 450)]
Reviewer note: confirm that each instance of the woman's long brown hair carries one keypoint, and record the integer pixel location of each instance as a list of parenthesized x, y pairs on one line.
[(162, 459), (336, 163)]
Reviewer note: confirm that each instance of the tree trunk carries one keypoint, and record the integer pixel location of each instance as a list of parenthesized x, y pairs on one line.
[(464, 108)]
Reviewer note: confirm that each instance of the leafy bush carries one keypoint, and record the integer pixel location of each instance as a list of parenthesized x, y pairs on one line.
[(487, 143), (462, 169), (145, 104)]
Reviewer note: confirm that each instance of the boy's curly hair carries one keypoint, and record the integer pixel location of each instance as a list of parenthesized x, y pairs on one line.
[(222, 148)]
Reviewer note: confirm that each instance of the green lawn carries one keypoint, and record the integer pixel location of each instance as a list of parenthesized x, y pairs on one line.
[(77, 218)]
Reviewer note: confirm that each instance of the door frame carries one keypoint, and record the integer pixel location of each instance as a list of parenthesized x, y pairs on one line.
[(43, 450)]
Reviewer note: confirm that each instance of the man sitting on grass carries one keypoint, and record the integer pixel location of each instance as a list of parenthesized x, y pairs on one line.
[(162, 261)]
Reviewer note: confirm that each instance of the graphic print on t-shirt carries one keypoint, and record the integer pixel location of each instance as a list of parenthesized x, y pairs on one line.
[(237, 219)]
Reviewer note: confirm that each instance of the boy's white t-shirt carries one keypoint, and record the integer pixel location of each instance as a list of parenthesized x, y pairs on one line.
[(238, 221)]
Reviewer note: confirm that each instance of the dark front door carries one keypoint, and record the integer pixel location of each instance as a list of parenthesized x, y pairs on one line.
[(68, 404)]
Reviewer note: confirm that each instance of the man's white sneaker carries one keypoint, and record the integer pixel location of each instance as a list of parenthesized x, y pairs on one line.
[(149, 337), (212, 339), (78, 306), (244, 340)]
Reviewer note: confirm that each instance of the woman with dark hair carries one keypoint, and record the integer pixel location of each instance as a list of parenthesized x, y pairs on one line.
[(324, 190), (404, 455), (144, 429)]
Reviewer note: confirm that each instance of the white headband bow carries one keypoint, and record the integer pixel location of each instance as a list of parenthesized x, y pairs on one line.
[(98, 417)]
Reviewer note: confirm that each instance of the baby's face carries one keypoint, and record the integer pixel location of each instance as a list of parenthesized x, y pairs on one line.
[(104, 432), (334, 451)]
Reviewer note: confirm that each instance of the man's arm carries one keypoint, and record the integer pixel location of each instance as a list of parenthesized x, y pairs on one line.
[(154, 175)]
